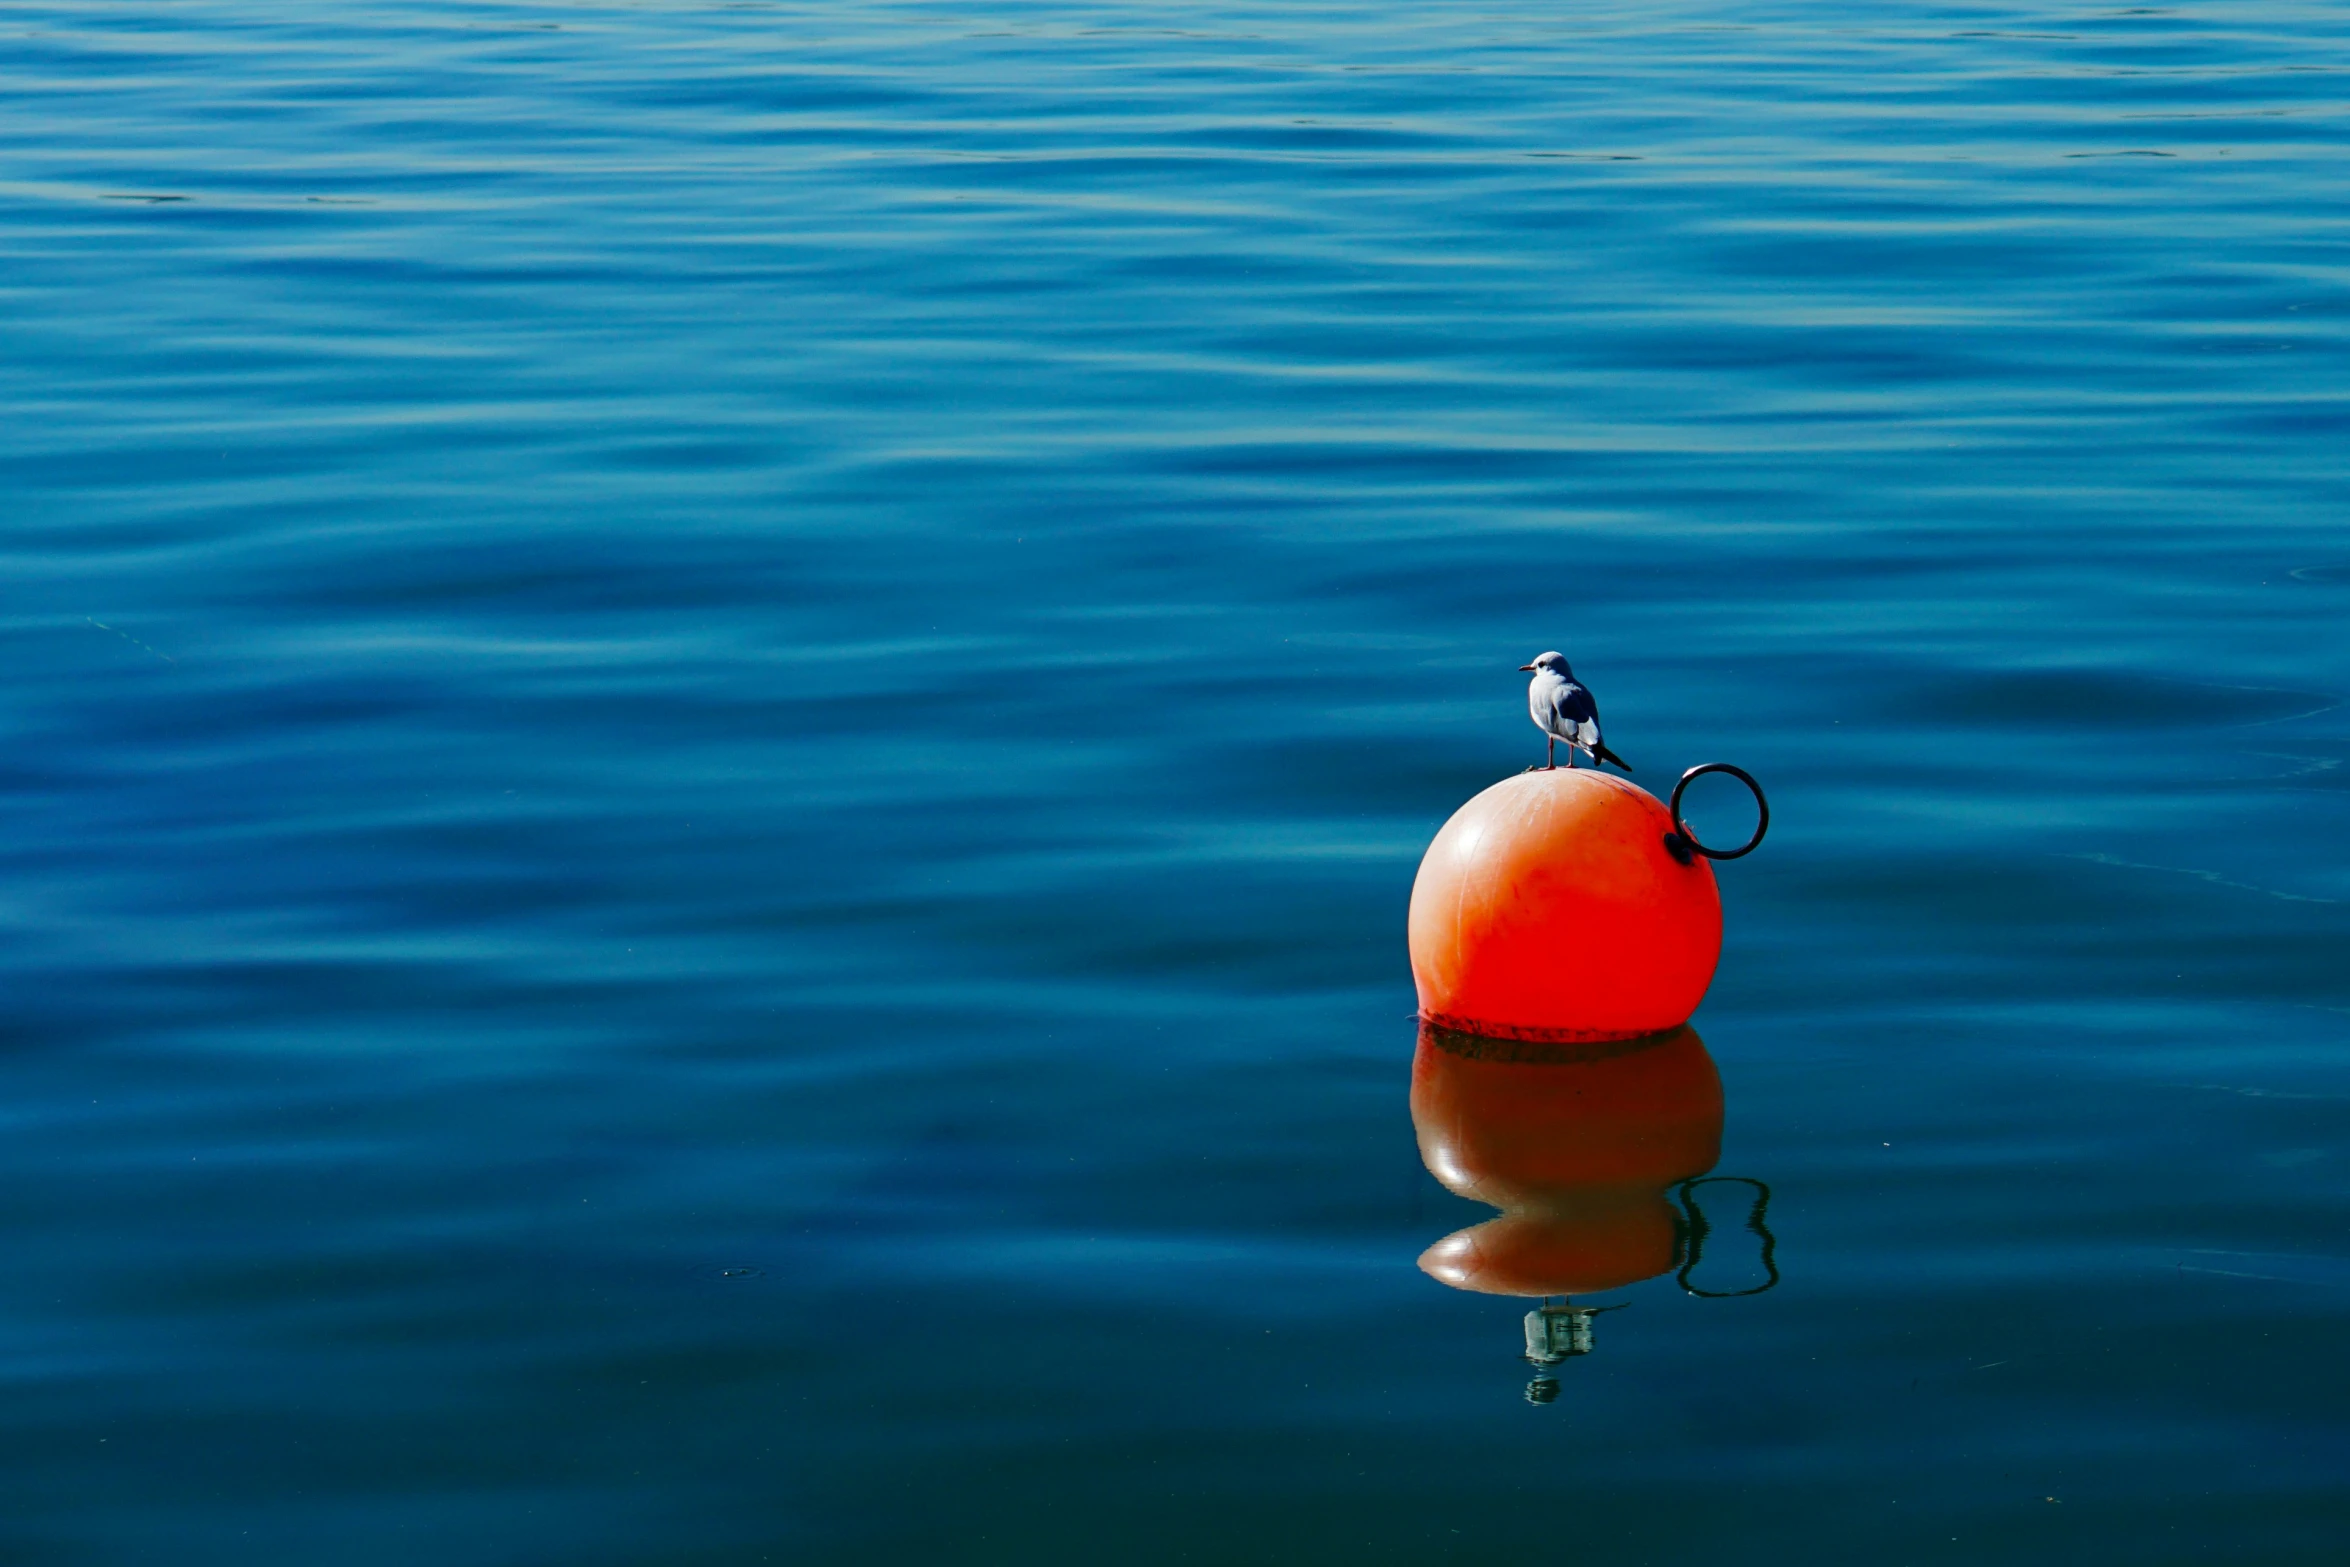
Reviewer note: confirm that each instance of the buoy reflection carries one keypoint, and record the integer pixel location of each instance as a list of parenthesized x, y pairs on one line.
[(1582, 1147)]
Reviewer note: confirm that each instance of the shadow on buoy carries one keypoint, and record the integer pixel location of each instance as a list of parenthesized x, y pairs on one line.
[(1594, 1152)]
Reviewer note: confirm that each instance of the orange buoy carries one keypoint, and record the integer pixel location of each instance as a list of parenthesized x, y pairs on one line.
[(1579, 1153), (1553, 906)]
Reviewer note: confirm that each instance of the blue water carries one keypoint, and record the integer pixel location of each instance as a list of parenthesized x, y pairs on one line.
[(718, 718)]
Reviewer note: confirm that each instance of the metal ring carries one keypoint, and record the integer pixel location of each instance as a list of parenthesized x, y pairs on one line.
[(1761, 805)]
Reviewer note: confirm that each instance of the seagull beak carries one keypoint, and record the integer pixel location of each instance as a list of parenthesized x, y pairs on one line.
[(1522, 668)]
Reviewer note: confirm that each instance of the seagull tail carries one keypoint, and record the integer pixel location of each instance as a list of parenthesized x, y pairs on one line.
[(1600, 753)]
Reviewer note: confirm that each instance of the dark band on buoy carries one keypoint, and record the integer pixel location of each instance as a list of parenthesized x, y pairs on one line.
[(1680, 841), (1527, 1046)]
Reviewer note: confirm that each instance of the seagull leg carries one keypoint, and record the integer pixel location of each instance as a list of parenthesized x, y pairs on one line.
[(1553, 761), (1570, 752)]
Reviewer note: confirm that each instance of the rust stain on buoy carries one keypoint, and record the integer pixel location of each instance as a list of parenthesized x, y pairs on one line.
[(1552, 907)]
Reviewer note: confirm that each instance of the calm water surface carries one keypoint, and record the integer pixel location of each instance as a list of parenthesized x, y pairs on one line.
[(718, 718)]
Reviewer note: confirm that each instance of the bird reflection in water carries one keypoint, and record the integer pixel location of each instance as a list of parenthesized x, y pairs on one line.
[(1584, 1148)]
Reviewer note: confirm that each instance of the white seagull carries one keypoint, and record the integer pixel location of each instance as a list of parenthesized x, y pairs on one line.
[(1563, 709)]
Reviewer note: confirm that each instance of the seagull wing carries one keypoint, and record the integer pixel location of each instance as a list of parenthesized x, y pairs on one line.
[(1574, 715)]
